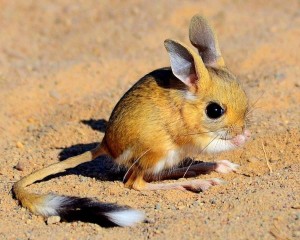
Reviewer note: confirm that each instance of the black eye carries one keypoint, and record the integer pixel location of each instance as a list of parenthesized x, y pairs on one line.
[(214, 110)]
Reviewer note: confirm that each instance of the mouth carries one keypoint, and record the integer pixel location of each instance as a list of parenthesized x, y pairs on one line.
[(226, 138), (240, 139), (226, 143)]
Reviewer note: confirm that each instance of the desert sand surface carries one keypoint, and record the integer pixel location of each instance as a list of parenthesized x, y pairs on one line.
[(65, 64)]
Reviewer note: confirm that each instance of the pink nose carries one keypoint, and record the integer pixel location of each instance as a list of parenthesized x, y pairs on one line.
[(247, 133), (240, 139)]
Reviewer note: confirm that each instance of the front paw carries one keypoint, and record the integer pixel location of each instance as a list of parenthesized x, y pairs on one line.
[(225, 166)]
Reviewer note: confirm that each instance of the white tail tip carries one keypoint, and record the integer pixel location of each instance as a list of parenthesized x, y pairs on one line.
[(126, 217)]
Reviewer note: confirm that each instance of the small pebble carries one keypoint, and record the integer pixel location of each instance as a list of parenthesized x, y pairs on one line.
[(172, 207), (31, 120), (19, 145), (31, 128), (296, 234), (180, 207), (196, 203), (149, 220), (157, 206), (20, 166), (53, 220), (279, 76), (54, 94), (135, 11), (253, 159)]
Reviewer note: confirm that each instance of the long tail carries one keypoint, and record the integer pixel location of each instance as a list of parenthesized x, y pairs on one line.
[(73, 208)]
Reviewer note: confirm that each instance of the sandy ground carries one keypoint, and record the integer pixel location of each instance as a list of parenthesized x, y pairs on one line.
[(65, 64)]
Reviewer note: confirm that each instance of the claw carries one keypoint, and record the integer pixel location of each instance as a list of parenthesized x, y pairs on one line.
[(200, 185), (217, 181)]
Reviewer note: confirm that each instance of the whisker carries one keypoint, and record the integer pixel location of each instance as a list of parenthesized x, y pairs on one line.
[(198, 133), (199, 153), (256, 101), (226, 134), (134, 164), (252, 110), (252, 106)]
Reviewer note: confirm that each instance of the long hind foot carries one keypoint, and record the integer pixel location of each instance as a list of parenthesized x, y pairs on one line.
[(221, 166), (136, 181), (197, 185)]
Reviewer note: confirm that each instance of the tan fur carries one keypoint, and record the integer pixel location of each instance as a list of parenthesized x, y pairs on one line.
[(31, 200), (155, 116)]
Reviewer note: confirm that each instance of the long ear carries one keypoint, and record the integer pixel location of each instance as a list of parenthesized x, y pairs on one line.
[(186, 65), (203, 37)]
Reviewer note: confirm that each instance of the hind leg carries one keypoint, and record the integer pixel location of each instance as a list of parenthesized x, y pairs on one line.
[(138, 175), (187, 170), (136, 181), (197, 185)]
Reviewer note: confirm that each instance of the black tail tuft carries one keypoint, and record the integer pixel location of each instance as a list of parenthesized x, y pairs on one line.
[(104, 214)]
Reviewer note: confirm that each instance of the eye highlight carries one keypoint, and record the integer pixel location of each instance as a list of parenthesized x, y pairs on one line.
[(214, 110)]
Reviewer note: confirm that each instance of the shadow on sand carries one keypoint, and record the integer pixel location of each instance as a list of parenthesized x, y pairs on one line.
[(101, 168)]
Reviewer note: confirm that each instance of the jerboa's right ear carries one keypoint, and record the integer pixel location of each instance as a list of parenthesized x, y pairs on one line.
[(186, 65)]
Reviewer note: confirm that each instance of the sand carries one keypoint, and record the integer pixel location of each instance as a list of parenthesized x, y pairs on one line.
[(64, 65)]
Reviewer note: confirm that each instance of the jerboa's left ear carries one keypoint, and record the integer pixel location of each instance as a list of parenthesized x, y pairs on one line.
[(203, 37), (186, 65)]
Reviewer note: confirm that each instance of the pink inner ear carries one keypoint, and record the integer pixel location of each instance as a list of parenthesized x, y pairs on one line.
[(191, 79)]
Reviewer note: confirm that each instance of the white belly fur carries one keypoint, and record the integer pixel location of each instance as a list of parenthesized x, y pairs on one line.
[(174, 157)]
